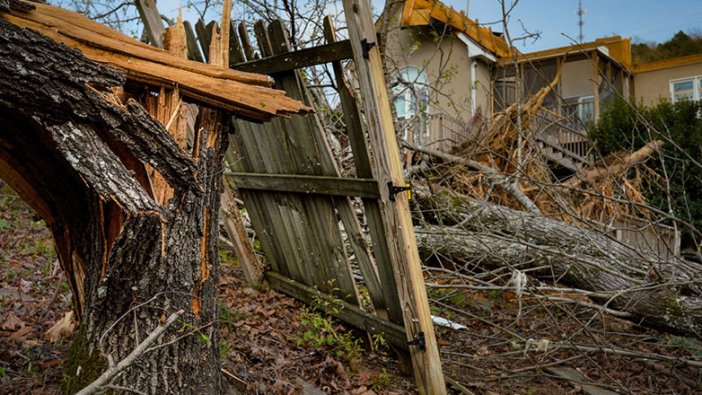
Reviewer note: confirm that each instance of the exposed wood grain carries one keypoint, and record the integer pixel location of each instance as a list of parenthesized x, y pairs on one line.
[(217, 86), (400, 233)]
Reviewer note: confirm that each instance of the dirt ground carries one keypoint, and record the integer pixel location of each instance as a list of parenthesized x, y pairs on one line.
[(272, 344)]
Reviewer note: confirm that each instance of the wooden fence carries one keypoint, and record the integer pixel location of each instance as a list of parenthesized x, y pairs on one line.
[(304, 212)]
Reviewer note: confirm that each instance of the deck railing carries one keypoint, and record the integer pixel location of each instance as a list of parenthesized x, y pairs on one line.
[(567, 129)]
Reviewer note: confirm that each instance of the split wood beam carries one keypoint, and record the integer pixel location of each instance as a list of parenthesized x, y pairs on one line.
[(246, 94), (398, 222)]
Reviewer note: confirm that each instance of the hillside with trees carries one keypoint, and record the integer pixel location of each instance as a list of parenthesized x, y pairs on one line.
[(681, 44)]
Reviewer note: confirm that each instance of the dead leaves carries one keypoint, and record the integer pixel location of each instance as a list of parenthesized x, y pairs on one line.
[(62, 329)]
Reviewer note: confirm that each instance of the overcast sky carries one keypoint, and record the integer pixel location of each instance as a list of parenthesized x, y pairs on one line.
[(643, 20)]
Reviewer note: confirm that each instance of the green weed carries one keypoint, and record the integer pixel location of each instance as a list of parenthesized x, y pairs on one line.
[(321, 333), (380, 381)]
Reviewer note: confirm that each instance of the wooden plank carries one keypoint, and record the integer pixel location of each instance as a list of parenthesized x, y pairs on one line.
[(318, 185), (84, 31), (303, 58), (204, 36), (225, 27), (400, 232), (153, 25), (193, 48), (346, 312), (383, 295), (264, 43), (310, 154), (246, 42), (236, 52), (215, 86)]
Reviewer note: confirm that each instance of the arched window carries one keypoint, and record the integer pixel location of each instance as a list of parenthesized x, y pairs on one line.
[(411, 93)]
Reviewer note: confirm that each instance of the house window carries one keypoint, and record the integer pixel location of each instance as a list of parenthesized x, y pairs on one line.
[(686, 89), (586, 109), (411, 93)]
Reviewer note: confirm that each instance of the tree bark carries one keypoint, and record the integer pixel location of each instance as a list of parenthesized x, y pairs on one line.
[(76, 154), (657, 292)]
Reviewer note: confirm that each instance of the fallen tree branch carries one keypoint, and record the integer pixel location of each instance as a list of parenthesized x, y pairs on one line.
[(662, 293), (101, 382), (495, 178), (615, 170)]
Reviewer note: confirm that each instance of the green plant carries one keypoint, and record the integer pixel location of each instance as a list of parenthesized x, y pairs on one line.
[(228, 317), (378, 342), (380, 381), (322, 333), (223, 349), (629, 126), (228, 259)]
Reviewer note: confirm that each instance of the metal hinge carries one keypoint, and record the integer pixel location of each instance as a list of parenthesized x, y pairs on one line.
[(418, 341), (366, 47), (394, 190)]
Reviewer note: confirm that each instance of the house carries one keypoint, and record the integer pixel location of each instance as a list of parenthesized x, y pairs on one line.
[(671, 79), (450, 70), (443, 64)]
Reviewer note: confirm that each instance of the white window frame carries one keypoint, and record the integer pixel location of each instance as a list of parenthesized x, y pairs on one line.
[(409, 97), (696, 87), (581, 100)]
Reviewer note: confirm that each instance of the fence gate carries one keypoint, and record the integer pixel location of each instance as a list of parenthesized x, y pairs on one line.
[(302, 210)]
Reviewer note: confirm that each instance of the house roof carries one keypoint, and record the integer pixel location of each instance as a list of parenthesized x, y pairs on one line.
[(617, 48), (668, 63), (422, 12)]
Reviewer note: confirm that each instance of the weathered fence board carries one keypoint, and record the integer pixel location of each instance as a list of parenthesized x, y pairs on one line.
[(301, 207)]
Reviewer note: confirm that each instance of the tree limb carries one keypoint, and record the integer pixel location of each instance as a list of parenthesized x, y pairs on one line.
[(103, 381)]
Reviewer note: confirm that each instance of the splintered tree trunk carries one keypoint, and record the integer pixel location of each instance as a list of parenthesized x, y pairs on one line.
[(76, 154), (657, 292)]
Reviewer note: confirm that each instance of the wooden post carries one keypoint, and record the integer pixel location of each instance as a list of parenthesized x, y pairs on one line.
[(596, 85), (400, 232)]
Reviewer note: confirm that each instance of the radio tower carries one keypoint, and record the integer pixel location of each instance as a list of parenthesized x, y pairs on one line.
[(581, 13)]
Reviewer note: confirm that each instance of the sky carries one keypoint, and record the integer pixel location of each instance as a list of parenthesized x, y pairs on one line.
[(642, 20), (557, 20)]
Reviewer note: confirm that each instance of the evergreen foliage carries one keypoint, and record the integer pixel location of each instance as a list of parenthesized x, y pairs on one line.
[(628, 126), (680, 44)]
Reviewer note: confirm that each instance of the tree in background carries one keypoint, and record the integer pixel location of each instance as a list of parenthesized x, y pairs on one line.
[(676, 185), (681, 44)]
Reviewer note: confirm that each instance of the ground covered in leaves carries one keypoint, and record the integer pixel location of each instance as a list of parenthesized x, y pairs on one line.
[(272, 344)]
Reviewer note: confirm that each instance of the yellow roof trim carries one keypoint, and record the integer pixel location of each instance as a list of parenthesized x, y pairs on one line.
[(421, 12), (619, 49), (668, 63)]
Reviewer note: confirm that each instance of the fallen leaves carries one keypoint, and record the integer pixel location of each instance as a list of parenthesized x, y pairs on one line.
[(62, 329)]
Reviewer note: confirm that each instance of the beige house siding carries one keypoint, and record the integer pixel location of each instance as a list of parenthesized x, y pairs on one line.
[(653, 86), (446, 64)]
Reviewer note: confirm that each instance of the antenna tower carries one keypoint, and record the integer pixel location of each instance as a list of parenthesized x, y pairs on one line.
[(581, 22)]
